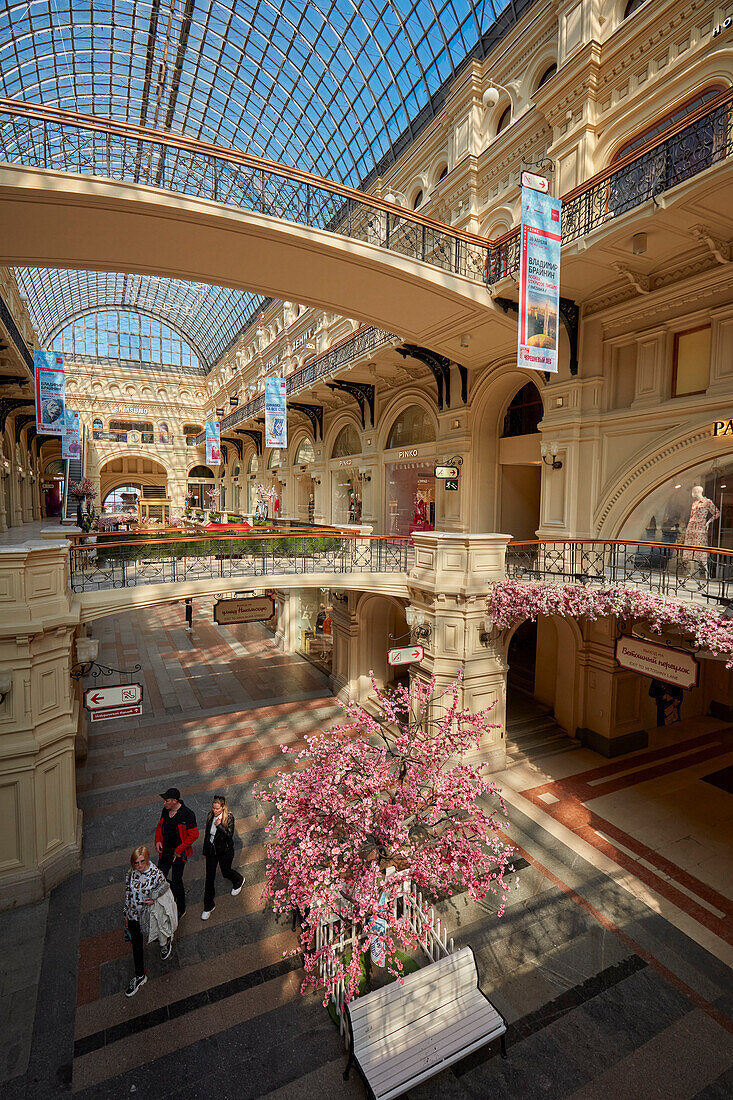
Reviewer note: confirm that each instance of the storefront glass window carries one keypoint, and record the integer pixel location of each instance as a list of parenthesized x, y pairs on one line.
[(345, 500), (254, 464), (305, 453), (315, 634), (664, 514), (275, 460), (410, 497), (347, 443), (413, 425)]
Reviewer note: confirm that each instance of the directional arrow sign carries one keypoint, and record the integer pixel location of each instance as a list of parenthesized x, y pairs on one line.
[(116, 712), (406, 656), (118, 695), (451, 472)]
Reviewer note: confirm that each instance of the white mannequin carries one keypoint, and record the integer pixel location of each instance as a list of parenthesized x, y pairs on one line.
[(698, 493)]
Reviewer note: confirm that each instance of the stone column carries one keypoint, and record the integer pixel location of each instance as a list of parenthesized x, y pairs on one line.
[(449, 583), (345, 630), (40, 838), (286, 634)]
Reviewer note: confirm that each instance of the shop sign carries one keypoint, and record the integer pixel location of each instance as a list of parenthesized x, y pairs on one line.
[(451, 472), (451, 485), (118, 695), (130, 409), (723, 26), (249, 609), (408, 454), (407, 655), (537, 183), (723, 427), (116, 712), (659, 661)]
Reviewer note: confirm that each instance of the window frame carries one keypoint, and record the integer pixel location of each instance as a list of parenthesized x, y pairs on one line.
[(675, 361)]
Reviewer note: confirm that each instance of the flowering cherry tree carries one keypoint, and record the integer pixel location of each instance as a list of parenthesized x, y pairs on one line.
[(511, 602), (379, 793)]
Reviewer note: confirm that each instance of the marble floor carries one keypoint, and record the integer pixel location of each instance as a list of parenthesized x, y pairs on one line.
[(612, 963)]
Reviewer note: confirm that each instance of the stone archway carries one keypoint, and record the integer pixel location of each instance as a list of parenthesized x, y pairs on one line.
[(378, 617)]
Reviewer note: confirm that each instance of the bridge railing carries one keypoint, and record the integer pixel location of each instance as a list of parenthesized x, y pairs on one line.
[(116, 562), (88, 145), (668, 569)]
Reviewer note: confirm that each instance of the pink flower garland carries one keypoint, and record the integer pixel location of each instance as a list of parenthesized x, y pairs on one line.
[(362, 799), (511, 602)]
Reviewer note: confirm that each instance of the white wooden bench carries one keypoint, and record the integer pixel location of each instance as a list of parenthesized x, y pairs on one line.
[(402, 1034)]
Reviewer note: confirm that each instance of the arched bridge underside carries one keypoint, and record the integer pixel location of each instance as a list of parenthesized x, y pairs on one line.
[(115, 601), (54, 219)]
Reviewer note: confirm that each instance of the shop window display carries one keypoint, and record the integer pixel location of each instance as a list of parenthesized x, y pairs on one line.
[(410, 496), (696, 509), (315, 633)]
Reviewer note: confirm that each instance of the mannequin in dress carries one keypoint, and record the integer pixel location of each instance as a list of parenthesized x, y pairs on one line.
[(702, 514)]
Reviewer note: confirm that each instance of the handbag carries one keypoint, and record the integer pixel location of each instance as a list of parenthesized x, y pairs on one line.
[(128, 937)]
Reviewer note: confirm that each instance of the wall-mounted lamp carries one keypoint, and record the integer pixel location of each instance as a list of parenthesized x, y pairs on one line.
[(465, 339), (638, 244), (416, 622), (6, 683), (549, 456), (491, 95), (485, 635), (86, 652)]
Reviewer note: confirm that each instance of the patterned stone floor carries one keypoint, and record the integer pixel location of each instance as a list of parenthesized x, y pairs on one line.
[(613, 986)]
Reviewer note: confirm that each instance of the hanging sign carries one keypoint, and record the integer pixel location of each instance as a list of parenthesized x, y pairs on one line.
[(537, 183), (106, 713), (71, 439), (407, 655), (659, 661), (117, 695), (539, 281), (213, 442), (450, 472), (249, 609), (276, 418), (451, 485), (50, 392)]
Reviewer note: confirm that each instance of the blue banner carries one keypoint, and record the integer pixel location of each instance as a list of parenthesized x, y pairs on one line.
[(539, 281), (71, 439), (213, 442), (276, 416), (50, 393)]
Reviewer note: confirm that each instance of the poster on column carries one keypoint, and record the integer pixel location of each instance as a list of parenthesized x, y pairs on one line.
[(213, 442), (276, 417), (71, 439), (50, 392), (539, 281)]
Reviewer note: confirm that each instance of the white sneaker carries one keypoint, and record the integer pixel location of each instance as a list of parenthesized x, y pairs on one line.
[(238, 891), (207, 913)]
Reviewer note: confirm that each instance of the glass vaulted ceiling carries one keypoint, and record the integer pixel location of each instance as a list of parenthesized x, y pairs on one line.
[(337, 87)]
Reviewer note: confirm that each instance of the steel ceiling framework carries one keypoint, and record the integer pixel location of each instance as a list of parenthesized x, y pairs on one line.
[(337, 87)]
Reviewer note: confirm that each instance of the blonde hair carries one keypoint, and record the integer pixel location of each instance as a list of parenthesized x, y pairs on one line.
[(225, 811), (141, 852)]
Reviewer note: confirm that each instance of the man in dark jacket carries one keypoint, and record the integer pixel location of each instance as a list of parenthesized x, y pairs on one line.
[(174, 836)]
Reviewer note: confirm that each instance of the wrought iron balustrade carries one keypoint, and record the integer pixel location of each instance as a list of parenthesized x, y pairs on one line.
[(668, 569), (113, 562), (362, 342), (66, 141)]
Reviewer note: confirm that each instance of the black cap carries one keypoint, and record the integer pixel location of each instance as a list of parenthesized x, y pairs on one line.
[(172, 792)]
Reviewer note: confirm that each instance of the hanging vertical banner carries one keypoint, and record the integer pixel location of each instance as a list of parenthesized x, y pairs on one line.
[(276, 417), (71, 439), (213, 442), (50, 392), (539, 281)]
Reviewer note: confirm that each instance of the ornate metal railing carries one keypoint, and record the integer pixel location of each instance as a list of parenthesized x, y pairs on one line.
[(702, 139), (668, 569), (362, 342), (66, 141), (112, 562)]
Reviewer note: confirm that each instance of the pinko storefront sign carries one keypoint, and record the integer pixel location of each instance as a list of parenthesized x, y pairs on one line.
[(658, 661)]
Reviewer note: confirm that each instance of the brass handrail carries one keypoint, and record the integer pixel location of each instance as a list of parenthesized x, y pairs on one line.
[(622, 542)]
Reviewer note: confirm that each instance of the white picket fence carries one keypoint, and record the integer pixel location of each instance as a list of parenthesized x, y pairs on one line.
[(342, 936)]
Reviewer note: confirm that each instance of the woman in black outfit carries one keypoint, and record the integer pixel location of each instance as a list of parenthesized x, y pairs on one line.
[(219, 851)]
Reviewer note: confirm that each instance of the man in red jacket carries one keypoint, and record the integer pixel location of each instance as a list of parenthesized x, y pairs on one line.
[(174, 836)]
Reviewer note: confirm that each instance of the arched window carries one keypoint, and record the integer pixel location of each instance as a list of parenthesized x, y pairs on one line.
[(547, 75), (305, 453), (442, 173), (254, 464), (164, 435), (192, 430), (236, 470), (97, 425), (413, 425), (275, 459), (347, 443), (417, 201), (524, 412), (504, 121), (199, 472), (668, 121), (632, 6)]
